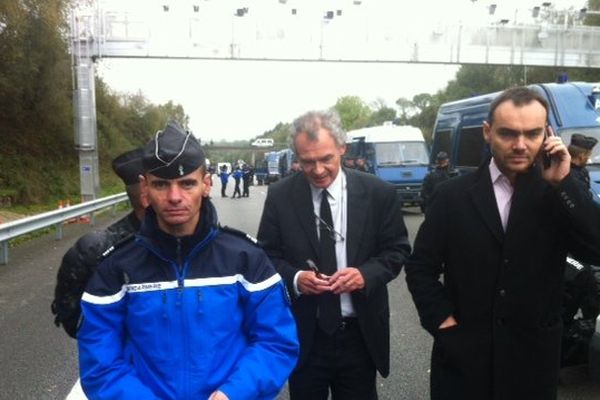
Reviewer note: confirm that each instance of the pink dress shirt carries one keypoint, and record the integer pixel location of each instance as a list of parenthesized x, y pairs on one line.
[(503, 190)]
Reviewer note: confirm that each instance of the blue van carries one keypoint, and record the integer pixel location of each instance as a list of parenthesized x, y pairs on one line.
[(574, 108), (396, 154)]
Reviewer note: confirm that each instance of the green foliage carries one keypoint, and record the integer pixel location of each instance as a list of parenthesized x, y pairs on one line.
[(280, 134), (38, 162), (381, 115), (353, 112)]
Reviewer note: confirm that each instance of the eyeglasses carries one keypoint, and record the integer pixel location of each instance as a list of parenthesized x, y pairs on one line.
[(333, 234)]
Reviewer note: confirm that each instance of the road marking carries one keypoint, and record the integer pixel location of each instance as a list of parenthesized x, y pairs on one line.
[(76, 392)]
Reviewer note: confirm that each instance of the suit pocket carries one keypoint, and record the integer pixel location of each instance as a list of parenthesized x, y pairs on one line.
[(461, 349)]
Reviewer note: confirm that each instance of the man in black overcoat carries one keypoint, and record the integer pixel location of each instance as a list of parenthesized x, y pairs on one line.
[(342, 313), (500, 237)]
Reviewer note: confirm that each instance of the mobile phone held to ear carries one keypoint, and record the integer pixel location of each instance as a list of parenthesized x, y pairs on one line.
[(546, 160)]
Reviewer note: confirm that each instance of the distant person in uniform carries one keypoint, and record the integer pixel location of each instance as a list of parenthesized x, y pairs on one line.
[(361, 164), (80, 261), (247, 176), (296, 167), (224, 176), (237, 177), (439, 174), (188, 309), (581, 149), (349, 162), (500, 236), (582, 280)]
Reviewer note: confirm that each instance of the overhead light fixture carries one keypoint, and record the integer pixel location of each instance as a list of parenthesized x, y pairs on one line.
[(504, 21), (240, 12), (546, 4), (165, 7)]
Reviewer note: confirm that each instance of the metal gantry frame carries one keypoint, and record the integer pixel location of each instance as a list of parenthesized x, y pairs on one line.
[(204, 29)]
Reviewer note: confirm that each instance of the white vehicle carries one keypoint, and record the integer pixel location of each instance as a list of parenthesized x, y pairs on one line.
[(263, 142)]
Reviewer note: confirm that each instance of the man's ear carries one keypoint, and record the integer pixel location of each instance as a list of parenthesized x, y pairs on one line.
[(487, 132), (207, 181), (143, 182)]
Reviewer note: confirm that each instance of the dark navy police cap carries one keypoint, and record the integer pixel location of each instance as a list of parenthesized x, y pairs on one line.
[(172, 153), (442, 155), (585, 142), (128, 166)]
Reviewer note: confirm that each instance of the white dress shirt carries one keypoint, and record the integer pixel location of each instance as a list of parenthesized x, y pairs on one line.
[(338, 202)]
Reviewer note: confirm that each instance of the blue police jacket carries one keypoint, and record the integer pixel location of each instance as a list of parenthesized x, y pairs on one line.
[(178, 318), (224, 176)]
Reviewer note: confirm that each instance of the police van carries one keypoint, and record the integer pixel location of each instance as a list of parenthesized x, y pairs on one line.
[(396, 154), (574, 107)]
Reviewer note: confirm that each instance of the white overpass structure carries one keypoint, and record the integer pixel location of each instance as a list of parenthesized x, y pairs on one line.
[(288, 30)]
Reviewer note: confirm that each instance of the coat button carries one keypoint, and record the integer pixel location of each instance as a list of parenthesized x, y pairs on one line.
[(502, 292), (500, 321)]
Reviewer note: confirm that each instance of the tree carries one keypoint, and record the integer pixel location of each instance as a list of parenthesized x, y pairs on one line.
[(354, 113), (406, 108), (383, 114)]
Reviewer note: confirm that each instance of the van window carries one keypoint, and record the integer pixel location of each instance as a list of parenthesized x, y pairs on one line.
[(470, 146), (442, 141), (398, 153)]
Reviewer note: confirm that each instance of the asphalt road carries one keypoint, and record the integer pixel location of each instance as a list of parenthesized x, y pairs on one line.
[(39, 361)]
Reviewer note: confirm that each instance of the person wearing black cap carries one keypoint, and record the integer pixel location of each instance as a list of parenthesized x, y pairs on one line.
[(80, 261), (438, 175), (581, 149), (189, 309), (582, 280)]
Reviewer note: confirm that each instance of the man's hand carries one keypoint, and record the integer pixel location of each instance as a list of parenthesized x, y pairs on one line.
[(448, 323), (346, 280), (218, 395), (560, 165), (311, 283)]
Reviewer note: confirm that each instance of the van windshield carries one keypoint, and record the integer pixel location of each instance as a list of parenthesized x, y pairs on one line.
[(594, 132), (401, 153)]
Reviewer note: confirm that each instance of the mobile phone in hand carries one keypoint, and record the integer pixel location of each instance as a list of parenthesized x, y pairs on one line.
[(546, 159)]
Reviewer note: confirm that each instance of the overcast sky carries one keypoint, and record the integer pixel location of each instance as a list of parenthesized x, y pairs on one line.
[(236, 99)]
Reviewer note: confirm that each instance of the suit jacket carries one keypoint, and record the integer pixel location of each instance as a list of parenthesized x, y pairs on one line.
[(376, 243), (504, 288)]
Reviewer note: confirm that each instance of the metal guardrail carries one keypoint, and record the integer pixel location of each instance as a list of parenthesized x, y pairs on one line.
[(55, 218)]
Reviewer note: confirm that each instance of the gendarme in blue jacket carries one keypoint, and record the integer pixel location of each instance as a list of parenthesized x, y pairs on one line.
[(178, 318)]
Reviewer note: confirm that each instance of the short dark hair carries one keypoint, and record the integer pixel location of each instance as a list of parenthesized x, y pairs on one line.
[(519, 96)]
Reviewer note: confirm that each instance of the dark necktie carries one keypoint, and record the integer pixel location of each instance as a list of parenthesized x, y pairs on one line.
[(330, 315)]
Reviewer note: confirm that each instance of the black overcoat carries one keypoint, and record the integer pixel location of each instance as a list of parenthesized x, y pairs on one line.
[(376, 243), (504, 288)]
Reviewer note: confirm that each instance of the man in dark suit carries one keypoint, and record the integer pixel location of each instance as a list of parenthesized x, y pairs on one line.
[(348, 227), (500, 237)]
